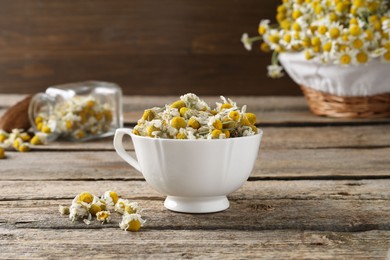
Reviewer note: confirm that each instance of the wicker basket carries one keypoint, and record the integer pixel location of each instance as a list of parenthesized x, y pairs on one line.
[(324, 104)]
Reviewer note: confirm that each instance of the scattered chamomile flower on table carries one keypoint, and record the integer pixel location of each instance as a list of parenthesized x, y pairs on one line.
[(103, 216), (192, 118), (131, 222), (19, 140), (86, 205)]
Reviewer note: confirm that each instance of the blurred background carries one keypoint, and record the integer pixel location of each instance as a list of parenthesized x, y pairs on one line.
[(165, 47)]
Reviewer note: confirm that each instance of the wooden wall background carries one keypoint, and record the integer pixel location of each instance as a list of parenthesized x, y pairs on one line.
[(155, 47)]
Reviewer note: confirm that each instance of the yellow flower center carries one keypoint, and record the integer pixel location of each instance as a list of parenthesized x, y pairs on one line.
[(262, 29), (227, 105), (234, 115), (178, 104), (359, 3), (274, 38), (178, 122), (362, 57), (327, 46), (265, 47), (114, 196), (355, 30), (333, 17), (357, 44), (129, 209), (85, 197), (183, 111), (134, 225), (341, 7), (193, 123), (251, 118), (334, 32), (322, 29), (345, 59), (316, 41), (181, 136), (148, 115), (369, 35), (308, 55), (287, 38), (386, 56), (296, 27), (296, 14), (216, 133), (94, 209), (217, 124), (285, 24)]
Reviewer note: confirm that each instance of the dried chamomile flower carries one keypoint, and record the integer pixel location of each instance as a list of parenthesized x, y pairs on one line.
[(131, 222), (121, 205), (3, 136), (85, 196), (111, 198), (103, 216), (39, 139), (133, 207), (78, 211), (64, 210)]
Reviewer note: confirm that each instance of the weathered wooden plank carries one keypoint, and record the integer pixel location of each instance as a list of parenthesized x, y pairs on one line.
[(250, 214), (251, 190), (41, 243), (271, 164)]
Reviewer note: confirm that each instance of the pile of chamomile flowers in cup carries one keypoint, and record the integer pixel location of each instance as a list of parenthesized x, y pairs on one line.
[(192, 118), (86, 206), (345, 32)]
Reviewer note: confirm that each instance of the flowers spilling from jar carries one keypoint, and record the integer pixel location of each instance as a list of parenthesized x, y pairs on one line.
[(77, 118), (19, 140), (85, 206), (191, 118), (347, 32)]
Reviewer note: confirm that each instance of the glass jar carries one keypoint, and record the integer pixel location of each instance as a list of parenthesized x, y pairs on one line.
[(77, 111)]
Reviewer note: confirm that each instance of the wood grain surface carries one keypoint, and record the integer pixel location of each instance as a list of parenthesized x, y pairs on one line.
[(319, 190), (147, 47)]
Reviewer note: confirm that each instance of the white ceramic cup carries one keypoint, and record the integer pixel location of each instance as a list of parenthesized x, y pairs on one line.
[(196, 175)]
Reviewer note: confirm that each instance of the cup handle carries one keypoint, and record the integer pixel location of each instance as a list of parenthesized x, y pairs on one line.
[(118, 144)]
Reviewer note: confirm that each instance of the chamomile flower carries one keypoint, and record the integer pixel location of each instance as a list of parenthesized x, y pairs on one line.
[(78, 211), (111, 198), (121, 205), (346, 57), (131, 222), (275, 71), (246, 41), (103, 216)]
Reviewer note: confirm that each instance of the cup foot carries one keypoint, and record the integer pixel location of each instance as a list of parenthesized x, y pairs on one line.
[(196, 205)]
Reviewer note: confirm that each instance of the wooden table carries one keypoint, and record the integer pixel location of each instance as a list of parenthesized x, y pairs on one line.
[(320, 189)]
